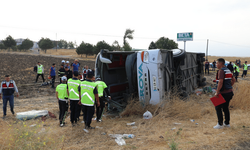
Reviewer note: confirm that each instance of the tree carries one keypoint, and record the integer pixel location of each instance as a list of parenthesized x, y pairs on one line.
[(2, 46), (101, 45), (152, 45), (63, 44), (9, 42), (71, 45), (26, 45), (85, 48), (116, 46), (128, 35), (165, 43), (127, 47), (45, 44)]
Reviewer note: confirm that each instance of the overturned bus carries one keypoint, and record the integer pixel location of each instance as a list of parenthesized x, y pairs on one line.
[(149, 75)]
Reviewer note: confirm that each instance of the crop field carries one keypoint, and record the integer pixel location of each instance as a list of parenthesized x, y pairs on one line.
[(170, 127)]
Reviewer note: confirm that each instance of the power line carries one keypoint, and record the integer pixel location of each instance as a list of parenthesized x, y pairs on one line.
[(230, 44)]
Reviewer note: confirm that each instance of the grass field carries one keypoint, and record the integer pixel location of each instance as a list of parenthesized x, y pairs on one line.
[(161, 132)]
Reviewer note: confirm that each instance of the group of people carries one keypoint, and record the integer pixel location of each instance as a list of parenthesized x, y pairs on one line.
[(234, 68), (65, 70), (82, 96)]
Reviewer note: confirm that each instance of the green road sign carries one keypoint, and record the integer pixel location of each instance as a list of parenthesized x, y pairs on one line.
[(185, 36)]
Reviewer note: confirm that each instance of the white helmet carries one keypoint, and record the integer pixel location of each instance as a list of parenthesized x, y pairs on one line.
[(67, 62), (63, 61)]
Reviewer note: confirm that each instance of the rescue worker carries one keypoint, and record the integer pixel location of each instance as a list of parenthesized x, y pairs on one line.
[(224, 87), (102, 91), (40, 71), (245, 67), (236, 72), (52, 73), (72, 88), (61, 72), (8, 87), (87, 95), (62, 97), (68, 73)]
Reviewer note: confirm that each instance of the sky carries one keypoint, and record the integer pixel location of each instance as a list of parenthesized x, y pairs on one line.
[(225, 23)]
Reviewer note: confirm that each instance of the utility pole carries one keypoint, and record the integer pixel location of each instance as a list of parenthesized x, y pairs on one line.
[(207, 50), (56, 41)]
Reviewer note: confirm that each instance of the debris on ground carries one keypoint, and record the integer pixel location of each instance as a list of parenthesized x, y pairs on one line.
[(31, 114), (177, 123), (147, 115), (131, 124), (85, 130)]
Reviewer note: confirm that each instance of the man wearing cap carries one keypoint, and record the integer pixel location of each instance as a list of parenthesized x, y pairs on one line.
[(102, 90), (63, 62), (87, 95), (52, 73), (72, 89), (62, 97), (40, 71), (61, 72), (67, 65), (8, 87)]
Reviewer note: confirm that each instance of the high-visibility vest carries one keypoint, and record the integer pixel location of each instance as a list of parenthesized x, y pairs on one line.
[(237, 69), (87, 93), (100, 87), (245, 66), (39, 69), (73, 89), (62, 92)]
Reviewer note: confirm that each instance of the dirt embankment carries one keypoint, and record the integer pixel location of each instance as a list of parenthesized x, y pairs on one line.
[(20, 68)]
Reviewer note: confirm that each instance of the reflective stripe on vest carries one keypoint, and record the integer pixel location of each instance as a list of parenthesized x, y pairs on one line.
[(73, 89), (87, 93), (62, 91), (40, 69), (100, 87)]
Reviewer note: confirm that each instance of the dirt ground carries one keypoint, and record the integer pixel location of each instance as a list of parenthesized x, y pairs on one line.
[(169, 128), (20, 68)]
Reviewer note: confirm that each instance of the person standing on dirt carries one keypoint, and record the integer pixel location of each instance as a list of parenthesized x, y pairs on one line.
[(87, 95), (230, 67), (40, 71), (73, 86), (75, 66), (245, 67), (102, 91), (62, 97), (8, 87), (52, 73), (214, 65), (207, 67), (68, 73), (67, 65), (61, 72), (236, 72), (224, 87), (85, 71)]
